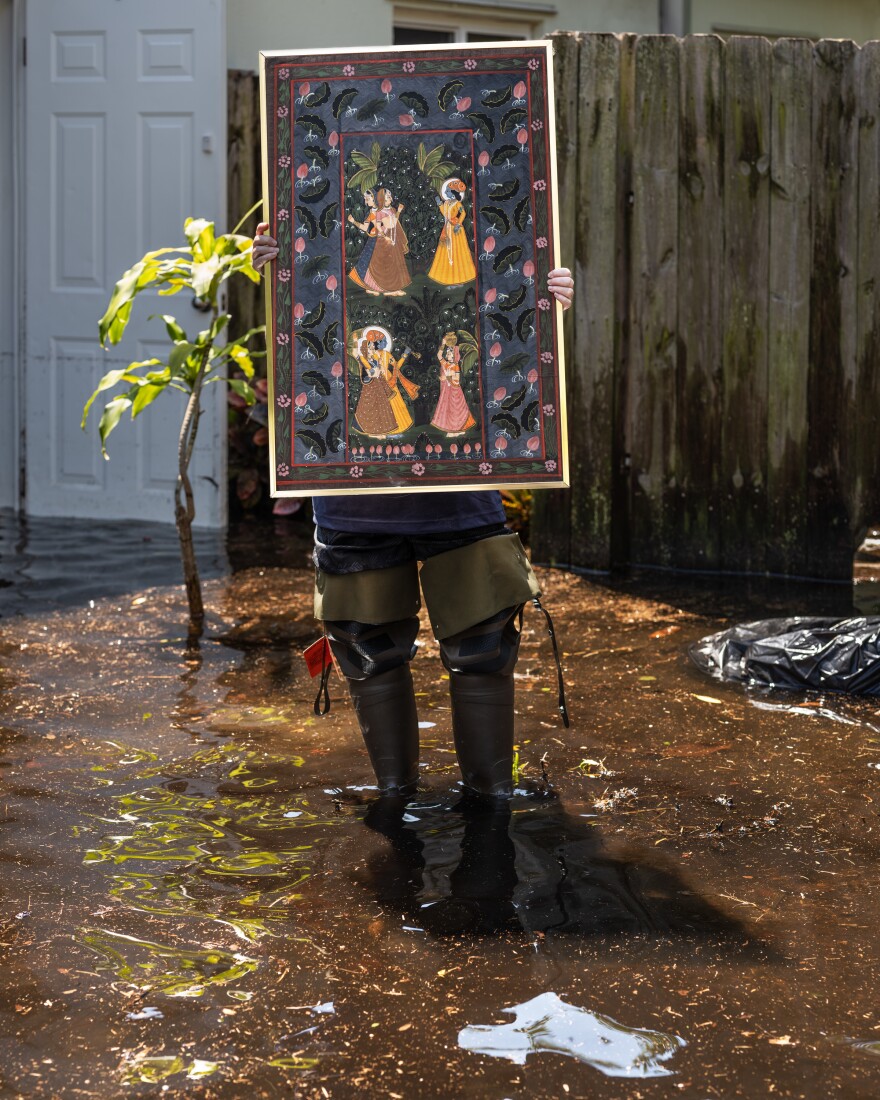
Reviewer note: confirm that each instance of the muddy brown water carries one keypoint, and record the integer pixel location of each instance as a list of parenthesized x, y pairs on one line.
[(201, 897)]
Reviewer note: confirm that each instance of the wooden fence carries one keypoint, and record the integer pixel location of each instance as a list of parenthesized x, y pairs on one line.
[(721, 211)]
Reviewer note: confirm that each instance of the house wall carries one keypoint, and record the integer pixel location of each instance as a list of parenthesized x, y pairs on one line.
[(8, 298), (255, 25), (855, 19)]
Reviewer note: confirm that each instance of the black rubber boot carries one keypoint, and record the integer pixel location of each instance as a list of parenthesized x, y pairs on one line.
[(386, 710), (482, 725)]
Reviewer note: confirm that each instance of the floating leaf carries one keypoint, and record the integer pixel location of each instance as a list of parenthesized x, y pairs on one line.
[(313, 124), (315, 191), (331, 337), (512, 119), (496, 218), (514, 362), (319, 96), (515, 399), (316, 155), (503, 154), (524, 324), (522, 212), (371, 109), (503, 324), (507, 257), (501, 192), (315, 442), (313, 266), (316, 381), (314, 317), (416, 103), (319, 415), (483, 124), (312, 343), (515, 300), (344, 100), (328, 217), (307, 221), (334, 436), (707, 698), (497, 98), (508, 423), (530, 418), (446, 95)]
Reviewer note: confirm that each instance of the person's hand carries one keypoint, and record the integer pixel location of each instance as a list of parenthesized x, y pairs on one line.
[(561, 286), (265, 247)]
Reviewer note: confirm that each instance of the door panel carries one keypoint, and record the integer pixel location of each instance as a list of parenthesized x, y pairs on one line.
[(119, 97)]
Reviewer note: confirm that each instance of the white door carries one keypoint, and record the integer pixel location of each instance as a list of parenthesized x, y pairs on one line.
[(125, 105)]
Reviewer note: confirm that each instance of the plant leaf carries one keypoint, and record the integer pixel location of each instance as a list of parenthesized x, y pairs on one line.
[(512, 119), (312, 343), (313, 266), (503, 154), (370, 108), (503, 323), (313, 124), (320, 95), (334, 436), (522, 213), (315, 191), (514, 362), (307, 221), (501, 192), (509, 423), (507, 257), (515, 399), (314, 441), (113, 411), (416, 103), (515, 300), (328, 215), (146, 395), (524, 323), (530, 419), (316, 155), (318, 416), (314, 317), (239, 386), (316, 380), (331, 337), (496, 218)]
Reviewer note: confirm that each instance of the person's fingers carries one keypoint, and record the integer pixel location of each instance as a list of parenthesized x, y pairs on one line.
[(265, 242), (262, 228)]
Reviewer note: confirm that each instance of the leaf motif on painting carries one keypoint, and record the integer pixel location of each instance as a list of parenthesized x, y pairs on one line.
[(328, 217), (514, 362), (522, 212), (313, 266), (319, 96), (331, 337), (497, 98), (307, 221), (313, 123), (314, 317), (530, 419), (315, 442), (312, 343), (515, 399), (496, 218), (484, 124), (507, 257), (446, 95), (315, 192), (371, 109), (316, 155), (503, 324), (512, 119), (508, 423), (501, 192), (503, 154), (416, 103), (524, 324), (316, 381), (344, 100), (318, 416), (515, 300), (334, 436)]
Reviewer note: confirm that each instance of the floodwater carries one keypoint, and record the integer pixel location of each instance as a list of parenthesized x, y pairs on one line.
[(201, 897)]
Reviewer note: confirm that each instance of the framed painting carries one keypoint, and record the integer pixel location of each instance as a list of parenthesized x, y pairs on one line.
[(412, 341)]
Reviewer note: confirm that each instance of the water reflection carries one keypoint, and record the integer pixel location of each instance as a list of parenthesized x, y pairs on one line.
[(547, 1024), (531, 868)]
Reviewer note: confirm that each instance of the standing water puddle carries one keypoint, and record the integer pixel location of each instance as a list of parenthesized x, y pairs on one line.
[(200, 895)]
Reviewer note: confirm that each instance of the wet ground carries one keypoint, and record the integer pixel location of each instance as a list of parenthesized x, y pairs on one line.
[(199, 898)]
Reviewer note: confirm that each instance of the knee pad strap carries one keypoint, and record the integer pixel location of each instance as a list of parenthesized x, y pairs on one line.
[(363, 650), (489, 647)]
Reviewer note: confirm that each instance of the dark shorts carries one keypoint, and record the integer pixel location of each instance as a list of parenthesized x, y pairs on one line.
[(342, 552)]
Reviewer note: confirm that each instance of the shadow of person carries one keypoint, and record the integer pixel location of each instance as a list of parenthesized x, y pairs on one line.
[(528, 869)]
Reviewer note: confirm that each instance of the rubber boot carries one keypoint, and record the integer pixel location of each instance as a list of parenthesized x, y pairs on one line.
[(482, 725), (386, 710)]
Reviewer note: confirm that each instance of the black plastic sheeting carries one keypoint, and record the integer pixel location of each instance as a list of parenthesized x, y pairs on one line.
[(797, 653)]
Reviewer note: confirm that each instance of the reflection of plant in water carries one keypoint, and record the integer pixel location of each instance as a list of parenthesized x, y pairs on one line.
[(152, 1068), (174, 971)]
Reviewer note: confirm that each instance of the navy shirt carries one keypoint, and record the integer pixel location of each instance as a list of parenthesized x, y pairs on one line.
[(408, 513)]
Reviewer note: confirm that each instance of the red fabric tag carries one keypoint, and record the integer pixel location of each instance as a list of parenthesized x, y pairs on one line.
[(318, 657)]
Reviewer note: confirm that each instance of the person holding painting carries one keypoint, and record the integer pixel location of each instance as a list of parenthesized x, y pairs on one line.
[(476, 580)]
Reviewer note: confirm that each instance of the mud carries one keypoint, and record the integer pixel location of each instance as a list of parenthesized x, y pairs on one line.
[(201, 897)]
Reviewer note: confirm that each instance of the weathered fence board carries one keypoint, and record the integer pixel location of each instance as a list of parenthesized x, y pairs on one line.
[(789, 305), (243, 186), (654, 299), (744, 320), (700, 297), (833, 307)]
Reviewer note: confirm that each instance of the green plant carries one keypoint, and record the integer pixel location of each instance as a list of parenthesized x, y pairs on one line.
[(201, 266)]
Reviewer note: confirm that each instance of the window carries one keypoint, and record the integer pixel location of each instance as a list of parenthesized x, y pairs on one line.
[(414, 27)]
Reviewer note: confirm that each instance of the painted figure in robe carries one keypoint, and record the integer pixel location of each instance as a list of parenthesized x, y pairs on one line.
[(452, 414), (454, 259), (381, 410)]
